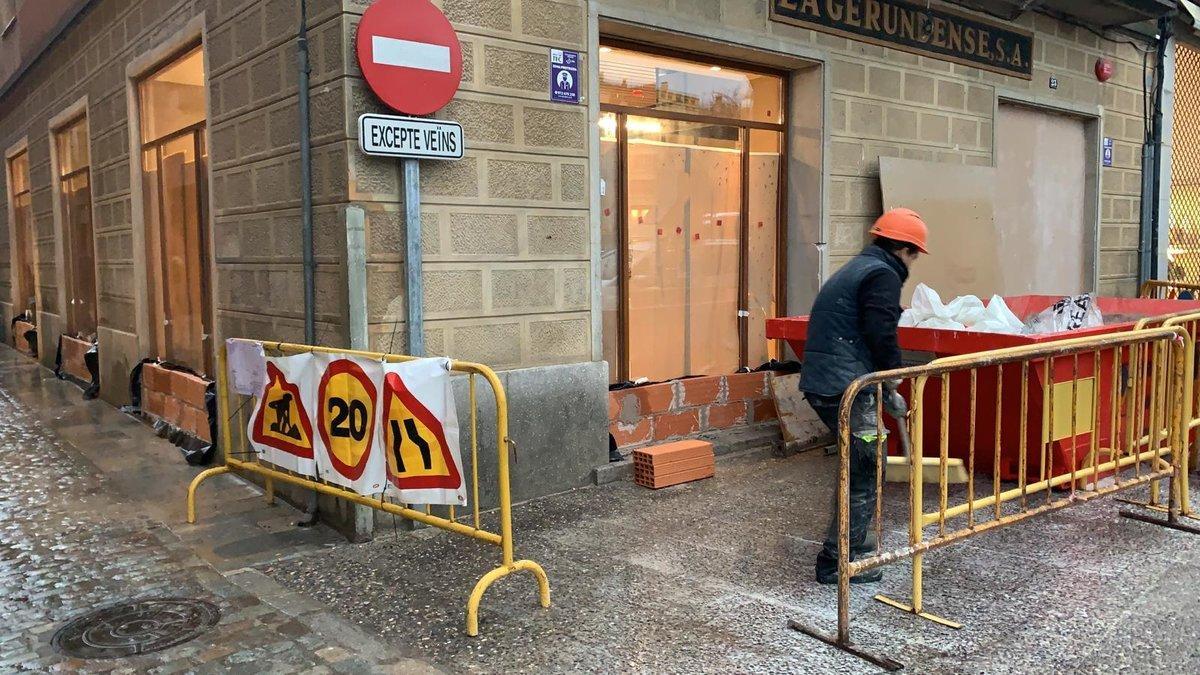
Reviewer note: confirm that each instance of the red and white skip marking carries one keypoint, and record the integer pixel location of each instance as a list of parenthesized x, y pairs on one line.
[(409, 55)]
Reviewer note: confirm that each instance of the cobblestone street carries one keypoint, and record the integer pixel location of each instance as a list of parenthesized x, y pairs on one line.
[(72, 539)]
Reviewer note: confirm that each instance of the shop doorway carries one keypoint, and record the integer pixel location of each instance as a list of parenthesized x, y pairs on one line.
[(24, 256), (690, 169), (172, 108), (1043, 205), (75, 205)]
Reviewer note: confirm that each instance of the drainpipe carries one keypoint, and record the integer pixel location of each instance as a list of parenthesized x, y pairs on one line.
[(1152, 164), (306, 224)]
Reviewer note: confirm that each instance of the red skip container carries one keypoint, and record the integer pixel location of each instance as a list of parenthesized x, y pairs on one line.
[(1068, 450)]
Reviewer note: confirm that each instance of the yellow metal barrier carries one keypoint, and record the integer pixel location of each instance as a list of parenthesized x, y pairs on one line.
[(1190, 322), (1132, 441), (451, 522), (1168, 290)]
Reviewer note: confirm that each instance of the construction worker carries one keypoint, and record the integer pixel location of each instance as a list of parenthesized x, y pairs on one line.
[(852, 332)]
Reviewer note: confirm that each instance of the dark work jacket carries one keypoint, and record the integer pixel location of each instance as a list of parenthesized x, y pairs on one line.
[(852, 327)]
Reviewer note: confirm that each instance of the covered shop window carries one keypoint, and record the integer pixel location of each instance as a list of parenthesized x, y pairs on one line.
[(22, 250), (174, 157), (690, 181), (75, 200)]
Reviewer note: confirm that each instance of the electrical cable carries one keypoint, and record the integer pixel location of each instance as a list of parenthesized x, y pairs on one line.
[(1053, 15)]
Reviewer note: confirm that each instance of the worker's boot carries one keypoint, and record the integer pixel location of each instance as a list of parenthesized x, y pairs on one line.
[(868, 577), (865, 549)]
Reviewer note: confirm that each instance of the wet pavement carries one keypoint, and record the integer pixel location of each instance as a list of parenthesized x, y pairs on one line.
[(696, 578), (704, 578), (91, 514)]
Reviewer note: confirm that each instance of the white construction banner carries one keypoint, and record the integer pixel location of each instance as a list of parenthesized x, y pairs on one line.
[(347, 431), (280, 429), (420, 433)]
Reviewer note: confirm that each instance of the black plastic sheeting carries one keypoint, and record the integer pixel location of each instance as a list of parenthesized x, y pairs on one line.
[(91, 359), (781, 367), (196, 451)]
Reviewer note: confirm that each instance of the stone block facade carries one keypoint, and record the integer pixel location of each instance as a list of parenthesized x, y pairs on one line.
[(505, 231), (253, 153), (892, 103)]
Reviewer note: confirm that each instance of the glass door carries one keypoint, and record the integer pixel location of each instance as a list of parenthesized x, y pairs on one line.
[(174, 167), (684, 193), (690, 158), (75, 195), (175, 182)]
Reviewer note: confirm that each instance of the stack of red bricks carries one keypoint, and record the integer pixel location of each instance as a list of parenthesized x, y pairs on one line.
[(19, 329), (176, 397), (73, 362), (668, 464), (683, 408)]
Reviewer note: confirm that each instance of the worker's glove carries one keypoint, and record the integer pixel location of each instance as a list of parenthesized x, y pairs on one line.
[(893, 401)]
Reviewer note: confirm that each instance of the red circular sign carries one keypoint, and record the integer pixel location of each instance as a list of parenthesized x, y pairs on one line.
[(409, 55)]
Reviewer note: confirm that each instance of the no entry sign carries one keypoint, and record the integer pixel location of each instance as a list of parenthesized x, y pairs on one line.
[(409, 55)]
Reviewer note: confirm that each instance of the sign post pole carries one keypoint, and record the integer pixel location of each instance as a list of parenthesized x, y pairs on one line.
[(411, 58), (413, 286)]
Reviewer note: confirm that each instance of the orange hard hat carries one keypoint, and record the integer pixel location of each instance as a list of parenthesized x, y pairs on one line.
[(902, 225)]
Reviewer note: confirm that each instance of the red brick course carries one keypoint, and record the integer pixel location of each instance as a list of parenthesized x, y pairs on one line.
[(764, 410), (189, 388), (702, 390), (675, 425), (19, 329), (73, 362), (727, 415), (673, 463), (683, 408), (628, 435), (654, 398), (177, 397), (748, 387)]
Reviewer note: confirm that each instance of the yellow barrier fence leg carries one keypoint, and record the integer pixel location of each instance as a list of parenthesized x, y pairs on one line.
[(508, 565), (916, 491), (191, 494), (223, 424)]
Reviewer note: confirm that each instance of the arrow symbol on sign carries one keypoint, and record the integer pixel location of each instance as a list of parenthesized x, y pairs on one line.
[(388, 51)]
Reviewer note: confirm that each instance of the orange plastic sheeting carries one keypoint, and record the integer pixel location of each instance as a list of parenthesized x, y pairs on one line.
[(763, 219), (684, 190)]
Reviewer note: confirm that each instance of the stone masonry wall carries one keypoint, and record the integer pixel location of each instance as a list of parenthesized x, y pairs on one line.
[(505, 231), (887, 102), (253, 151), (256, 168)]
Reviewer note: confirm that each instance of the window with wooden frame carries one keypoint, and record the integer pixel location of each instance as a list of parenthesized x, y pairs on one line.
[(24, 267), (691, 177), (171, 105), (75, 206)]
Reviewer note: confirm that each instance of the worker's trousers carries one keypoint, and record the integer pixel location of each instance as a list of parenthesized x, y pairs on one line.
[(864, 431)]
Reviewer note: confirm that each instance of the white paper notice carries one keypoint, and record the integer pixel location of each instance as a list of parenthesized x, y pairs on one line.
[(247, 365)]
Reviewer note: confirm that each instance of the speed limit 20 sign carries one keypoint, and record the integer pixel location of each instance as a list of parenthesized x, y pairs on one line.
[(347, 398)]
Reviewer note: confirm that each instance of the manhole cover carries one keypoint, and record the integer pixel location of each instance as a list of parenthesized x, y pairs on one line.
[(135, 627)]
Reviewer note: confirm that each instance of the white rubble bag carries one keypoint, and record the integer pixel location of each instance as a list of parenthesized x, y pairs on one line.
[(966, 312), (998, 318), (1071, 313)]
